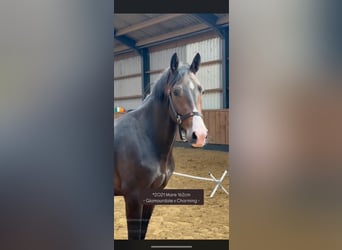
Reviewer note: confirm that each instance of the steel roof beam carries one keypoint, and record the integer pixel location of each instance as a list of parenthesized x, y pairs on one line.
[(223, 20), (129, 42), (119, 48), (211, 21)]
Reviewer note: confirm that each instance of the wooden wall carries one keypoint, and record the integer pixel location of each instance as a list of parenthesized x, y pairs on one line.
[(217, 122)]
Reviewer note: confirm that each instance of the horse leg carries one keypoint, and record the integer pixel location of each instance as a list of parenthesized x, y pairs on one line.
[(133, 216), (146, 215)]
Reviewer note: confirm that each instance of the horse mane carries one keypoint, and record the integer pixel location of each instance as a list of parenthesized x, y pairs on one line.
[(168, 78)]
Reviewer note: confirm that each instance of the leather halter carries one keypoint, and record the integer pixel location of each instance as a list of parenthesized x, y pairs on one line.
[(180, 118)]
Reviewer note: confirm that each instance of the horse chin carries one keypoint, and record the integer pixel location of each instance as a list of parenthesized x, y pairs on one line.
[(195, 145)]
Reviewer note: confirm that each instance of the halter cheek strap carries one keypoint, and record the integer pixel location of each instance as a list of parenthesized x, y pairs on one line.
[(181, 118)]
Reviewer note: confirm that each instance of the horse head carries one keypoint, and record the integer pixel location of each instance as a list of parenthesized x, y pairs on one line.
[(184, 93)]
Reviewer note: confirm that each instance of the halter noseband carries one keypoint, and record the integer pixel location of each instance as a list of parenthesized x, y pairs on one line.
[(181, 118)]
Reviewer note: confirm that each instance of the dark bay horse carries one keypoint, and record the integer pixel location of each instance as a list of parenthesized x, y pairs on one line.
[(144, 138)]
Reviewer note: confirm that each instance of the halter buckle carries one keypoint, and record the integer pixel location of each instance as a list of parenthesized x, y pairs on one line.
[(179, 120)]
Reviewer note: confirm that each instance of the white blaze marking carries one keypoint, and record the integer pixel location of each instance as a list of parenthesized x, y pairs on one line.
[(192, 86), (200, 130)]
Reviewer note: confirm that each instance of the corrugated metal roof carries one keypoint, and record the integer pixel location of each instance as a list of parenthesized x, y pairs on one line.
[(124, 20), (146, 29)]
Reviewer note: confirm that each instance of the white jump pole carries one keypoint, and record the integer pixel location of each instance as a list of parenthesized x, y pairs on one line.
[(218, 183), (212, 179)]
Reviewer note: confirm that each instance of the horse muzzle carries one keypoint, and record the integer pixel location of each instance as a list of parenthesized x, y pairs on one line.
[(199, 132)]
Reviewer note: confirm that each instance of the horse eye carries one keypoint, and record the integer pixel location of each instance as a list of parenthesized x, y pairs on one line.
[(200, 89), (177, 92)]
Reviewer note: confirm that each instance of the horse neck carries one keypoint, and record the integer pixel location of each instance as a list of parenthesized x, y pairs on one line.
[(161, 128)]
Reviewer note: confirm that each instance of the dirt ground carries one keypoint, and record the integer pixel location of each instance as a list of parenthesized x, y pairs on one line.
[(208, 221)]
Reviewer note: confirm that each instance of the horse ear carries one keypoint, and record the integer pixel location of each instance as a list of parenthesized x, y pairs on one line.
[(195, 63), (174, 62)]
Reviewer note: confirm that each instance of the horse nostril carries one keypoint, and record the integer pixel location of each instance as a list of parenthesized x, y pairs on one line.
[(194, 136)]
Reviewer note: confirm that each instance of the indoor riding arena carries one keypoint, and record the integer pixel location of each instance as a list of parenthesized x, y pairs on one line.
[(143, 45)]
